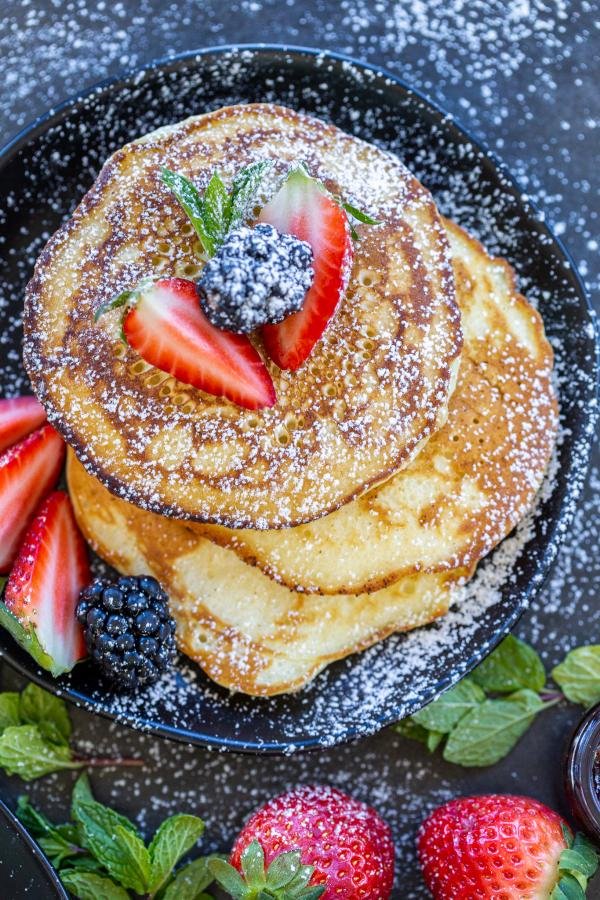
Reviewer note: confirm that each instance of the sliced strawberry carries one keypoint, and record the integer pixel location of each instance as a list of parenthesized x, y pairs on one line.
[(303, 207), (169, 330), (19, 416), (28, 472), (43, 588)]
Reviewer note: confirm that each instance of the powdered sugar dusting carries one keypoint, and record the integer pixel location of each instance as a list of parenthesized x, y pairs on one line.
[(520, 74)]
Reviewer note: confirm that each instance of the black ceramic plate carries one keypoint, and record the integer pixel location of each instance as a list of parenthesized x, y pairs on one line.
[(47, 169), (24, 870)]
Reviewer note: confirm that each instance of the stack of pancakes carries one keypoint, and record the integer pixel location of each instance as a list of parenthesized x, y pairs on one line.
[(408, 445)]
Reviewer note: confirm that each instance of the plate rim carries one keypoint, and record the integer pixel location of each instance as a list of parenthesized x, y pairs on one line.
[(583, 438), (11, 821)]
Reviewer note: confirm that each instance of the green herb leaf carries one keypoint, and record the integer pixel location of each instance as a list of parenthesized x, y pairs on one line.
[(9, 710), (90, 886), (408, 728), (434, 739), (579, 675), (173, 839), (216, 210), (191, 202), (228, 878), (283, 869), (134, 868), (190, 880), (490, 731), (57, 842), (26, 752), (444, 713), (105, 833), (568, 888), (358, 214), (244, 191), (513, 665), (38, 707), (82, 793), (253, 864), (122, 299), (85, 863)]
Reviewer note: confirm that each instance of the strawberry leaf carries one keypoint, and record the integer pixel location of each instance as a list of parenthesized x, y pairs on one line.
[(253, 864), (283, 869), (228, 878)]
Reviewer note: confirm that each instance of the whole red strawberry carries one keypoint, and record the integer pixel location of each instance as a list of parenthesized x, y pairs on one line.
[(502, 846), (316, 842)]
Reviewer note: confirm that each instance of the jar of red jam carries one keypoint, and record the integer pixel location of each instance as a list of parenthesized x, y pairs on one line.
[(582, 774)]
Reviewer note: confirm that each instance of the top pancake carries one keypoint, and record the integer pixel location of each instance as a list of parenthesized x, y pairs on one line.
[(375, 388), (471, 483)]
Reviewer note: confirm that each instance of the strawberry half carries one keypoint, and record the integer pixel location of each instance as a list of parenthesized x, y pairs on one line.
[(19, 416), (304, 208), (166, 326), (43, 588), (501, 845), (28, 472)]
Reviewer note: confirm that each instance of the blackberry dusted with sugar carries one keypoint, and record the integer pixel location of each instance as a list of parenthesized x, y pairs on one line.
[(128, 630), (258, 277)]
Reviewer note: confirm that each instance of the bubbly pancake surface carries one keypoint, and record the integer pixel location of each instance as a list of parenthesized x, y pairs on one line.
[(471, 483), (247, 632), (375, 388)]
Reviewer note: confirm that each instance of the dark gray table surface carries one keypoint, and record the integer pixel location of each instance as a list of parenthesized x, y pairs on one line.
[(523, 76)]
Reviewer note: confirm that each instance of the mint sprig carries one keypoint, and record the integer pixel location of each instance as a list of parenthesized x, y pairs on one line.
[(35, 730), (480, 720), (285, 879), (101, 853), (218, 211)]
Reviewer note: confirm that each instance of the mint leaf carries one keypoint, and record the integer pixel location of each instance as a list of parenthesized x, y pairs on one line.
[(133, 869), (434, 739), (105, 833), (408, 728), (9, 710), (82, 793), (490, 731), (56, 843), (172, 840), (216, 209), (90, 886), (190, 880), (444, 713), (191, 202), (513, 665), (579, 675), (244, 191), (26, 752), (38, 707)]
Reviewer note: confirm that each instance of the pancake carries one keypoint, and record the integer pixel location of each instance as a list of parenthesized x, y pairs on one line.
[(471, 483), (247, 632), (374, 390)]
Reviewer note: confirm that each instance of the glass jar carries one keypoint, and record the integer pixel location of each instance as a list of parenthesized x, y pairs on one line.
[(582, 774)]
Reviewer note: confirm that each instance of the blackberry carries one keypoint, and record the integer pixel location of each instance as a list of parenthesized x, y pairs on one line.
[(257, 277), (128, 630)]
